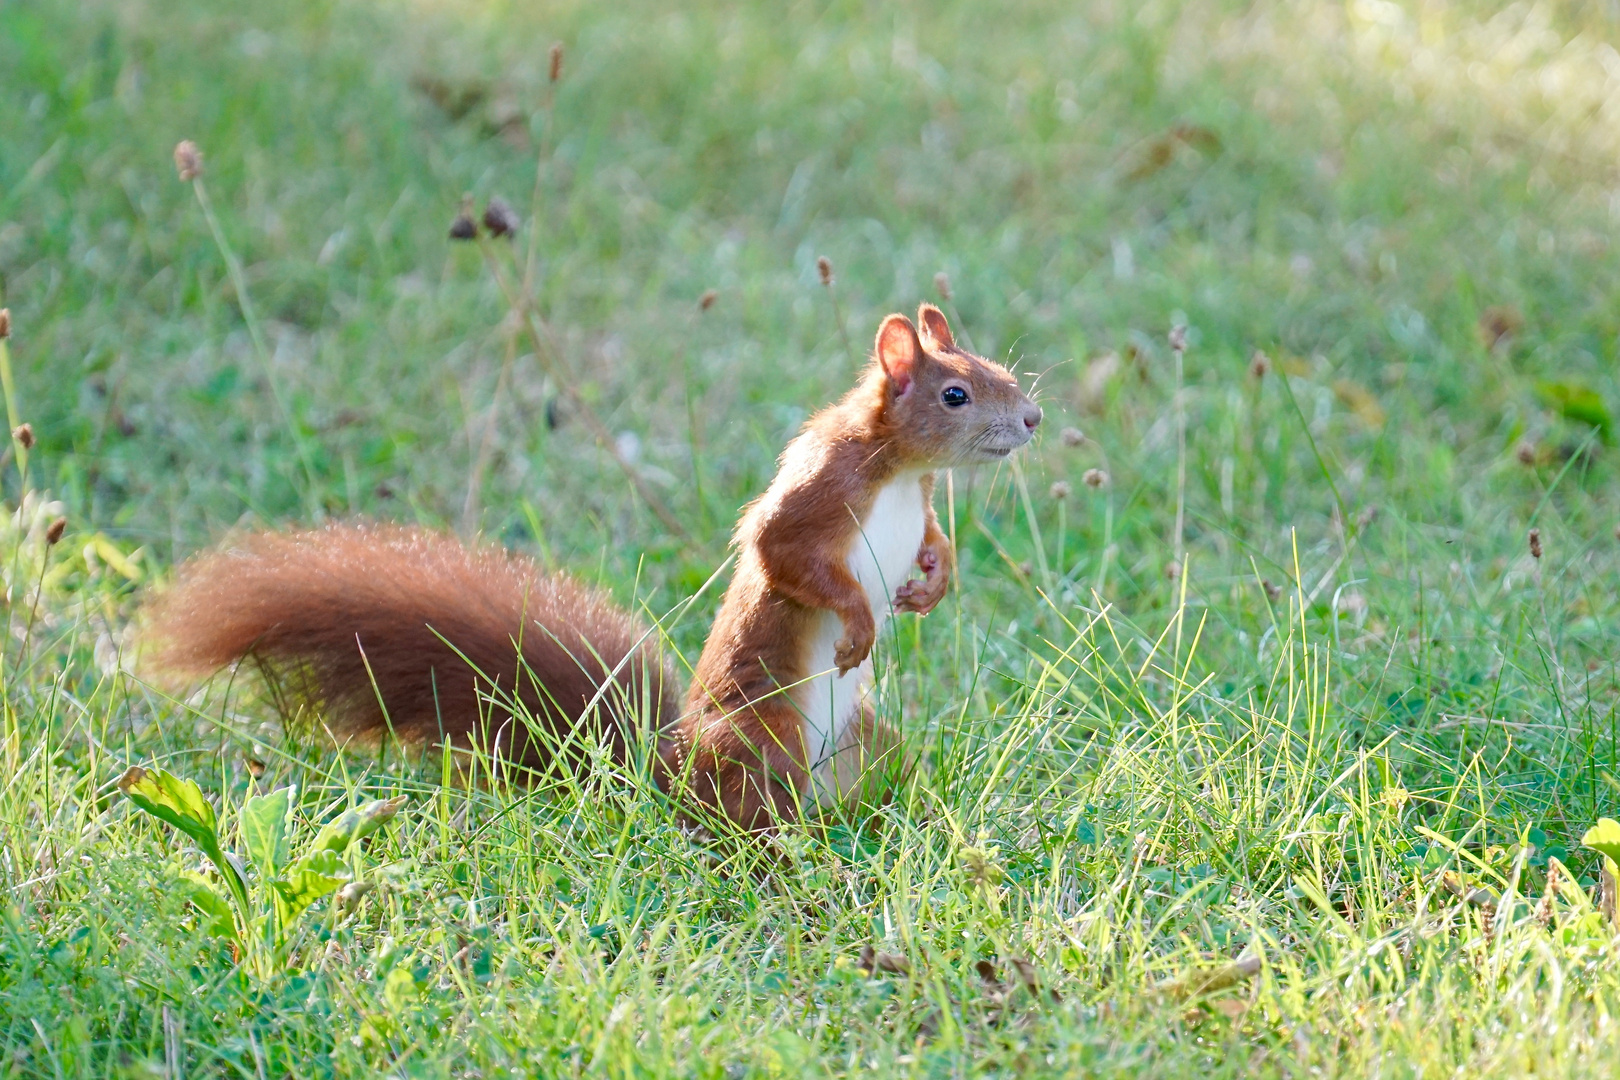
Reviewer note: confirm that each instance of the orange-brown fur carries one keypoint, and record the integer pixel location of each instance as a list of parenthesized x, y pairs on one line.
[(340, 610)]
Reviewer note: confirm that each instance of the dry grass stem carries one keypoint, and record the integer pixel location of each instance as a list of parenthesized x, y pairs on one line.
[(188, 163), (824, 270), (546, 353)]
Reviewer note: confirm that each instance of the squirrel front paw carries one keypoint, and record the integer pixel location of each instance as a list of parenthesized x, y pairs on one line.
[(851, 650), (924, 595)]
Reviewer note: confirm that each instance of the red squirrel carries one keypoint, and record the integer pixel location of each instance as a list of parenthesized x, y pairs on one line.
[(347, 616)]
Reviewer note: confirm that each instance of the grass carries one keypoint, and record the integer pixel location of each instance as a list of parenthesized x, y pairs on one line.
[(1131, 780)]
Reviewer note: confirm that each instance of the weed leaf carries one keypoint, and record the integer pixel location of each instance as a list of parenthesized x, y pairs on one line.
[(181, 804), (358, 822), (1579, 403), (266, 820), (313, 876), (176, 801), (1604, 837), (217, 920)]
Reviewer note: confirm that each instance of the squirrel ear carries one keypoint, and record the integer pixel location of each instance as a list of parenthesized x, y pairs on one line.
[(934, 327), (897, 351)]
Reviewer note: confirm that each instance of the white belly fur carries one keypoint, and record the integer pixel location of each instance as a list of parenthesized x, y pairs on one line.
[(881, 559)]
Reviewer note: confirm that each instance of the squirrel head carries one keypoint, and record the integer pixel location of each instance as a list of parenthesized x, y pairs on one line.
[(942, 405)]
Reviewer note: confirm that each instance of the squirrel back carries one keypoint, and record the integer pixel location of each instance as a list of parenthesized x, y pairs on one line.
[(390, 630)]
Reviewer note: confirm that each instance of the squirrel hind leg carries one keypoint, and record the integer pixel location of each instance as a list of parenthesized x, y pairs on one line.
[(869, 765), (748, 768)]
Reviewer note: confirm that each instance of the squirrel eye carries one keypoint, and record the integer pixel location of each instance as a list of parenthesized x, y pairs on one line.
[(954, 396)]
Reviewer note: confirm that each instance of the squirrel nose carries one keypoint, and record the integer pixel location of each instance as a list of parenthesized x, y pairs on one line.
[(1032, 416)]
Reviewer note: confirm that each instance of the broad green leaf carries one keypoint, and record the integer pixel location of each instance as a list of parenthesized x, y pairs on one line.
[(358, 822), (217, 918), (181, 804), (171, 799), (310, 878), (1580, 403), (400, 989), (1604, 837), (266, 820)]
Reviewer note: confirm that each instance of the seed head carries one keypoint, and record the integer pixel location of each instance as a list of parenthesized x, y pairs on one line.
[(499, 218), (5, 323), (556, 61), (24, 434), (1178, 338), (1072, 436), (1061, 490), (943, 285), (187, 160), (1525, 452), (1499, 324), (1095, 478), (824, 268), (464, 227), (1172, 569), (706, 301), (54, 531), (1259, 364), (1535, 543)]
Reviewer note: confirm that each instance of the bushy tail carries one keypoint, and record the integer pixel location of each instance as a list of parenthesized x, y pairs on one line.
[(385, 629)]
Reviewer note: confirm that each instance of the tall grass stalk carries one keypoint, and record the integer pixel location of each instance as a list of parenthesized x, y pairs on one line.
[(261, 348), (1178, 349), (14, 420), (829, 282), (547, 353)]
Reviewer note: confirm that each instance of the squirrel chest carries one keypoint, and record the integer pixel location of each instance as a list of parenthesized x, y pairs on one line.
[(881, 557)]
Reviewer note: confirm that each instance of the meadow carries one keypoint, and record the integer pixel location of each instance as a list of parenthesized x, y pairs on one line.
[(1257, 737)]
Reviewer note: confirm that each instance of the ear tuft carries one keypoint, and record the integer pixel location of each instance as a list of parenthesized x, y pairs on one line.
[(897, 351), (932, 322)]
